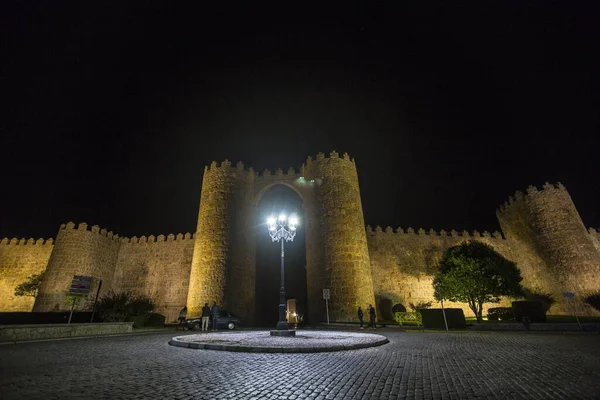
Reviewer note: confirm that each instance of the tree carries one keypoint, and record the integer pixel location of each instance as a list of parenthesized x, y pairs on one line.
[(475, 273), (31, 286)]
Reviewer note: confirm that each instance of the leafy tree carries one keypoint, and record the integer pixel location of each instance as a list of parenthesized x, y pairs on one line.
[(475, 273), (31, 286), (593, 299)]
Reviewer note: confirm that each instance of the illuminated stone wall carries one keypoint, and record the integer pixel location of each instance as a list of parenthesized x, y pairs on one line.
[(77, 251), (158, 267), (542, 232), (19, 259), (546, 221), (544, 236), (223, 266), (403, 263), (347, 271)]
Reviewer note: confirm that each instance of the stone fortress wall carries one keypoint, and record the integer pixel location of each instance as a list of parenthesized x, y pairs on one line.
[(158, 266), (542, 232), (20, 259)]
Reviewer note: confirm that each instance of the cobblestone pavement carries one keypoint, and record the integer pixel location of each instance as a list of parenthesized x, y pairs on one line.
[(413, 365)]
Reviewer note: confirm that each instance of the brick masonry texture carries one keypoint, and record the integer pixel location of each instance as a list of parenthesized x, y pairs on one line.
[(541, 231), (412, 366)]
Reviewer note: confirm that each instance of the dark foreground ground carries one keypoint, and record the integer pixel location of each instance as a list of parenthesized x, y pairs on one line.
[(413, 365)]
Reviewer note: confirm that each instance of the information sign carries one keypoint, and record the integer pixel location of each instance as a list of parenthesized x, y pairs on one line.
[(81, 285)]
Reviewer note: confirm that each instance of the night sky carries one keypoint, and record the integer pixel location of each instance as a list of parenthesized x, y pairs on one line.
[(110, 113)]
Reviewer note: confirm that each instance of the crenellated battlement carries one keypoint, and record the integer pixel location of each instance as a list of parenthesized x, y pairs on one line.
[(158, 239), (26, 242), (422, 232), (519, 196), (83, 226), (334, 154), (279, 173), (291, 172)]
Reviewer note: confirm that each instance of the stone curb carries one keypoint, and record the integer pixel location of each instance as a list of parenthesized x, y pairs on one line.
[(102, 335), (258, 349)]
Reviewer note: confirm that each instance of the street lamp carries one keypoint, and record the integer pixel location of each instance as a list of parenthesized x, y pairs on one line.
[(282, 229)]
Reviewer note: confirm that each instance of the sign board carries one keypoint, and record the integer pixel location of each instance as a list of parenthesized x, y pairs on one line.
[(81, 285), (326, 294), (568, 295)]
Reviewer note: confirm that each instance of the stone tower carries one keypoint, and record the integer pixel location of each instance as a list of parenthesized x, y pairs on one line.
[(77, 251), (347, 269), (547, 222), (223, 266), (208, 275)]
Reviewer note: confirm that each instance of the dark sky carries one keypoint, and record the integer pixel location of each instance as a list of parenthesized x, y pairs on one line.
[(110, 113)]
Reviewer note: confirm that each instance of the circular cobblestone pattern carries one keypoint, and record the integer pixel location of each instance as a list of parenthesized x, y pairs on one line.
[(414, 365), (263, 342)]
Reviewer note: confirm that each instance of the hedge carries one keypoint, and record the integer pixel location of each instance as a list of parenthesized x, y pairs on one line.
[(534, 310), (434, 318), (501, 314)]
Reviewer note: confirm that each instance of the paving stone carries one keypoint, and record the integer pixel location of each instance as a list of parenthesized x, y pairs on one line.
[(413, 365)]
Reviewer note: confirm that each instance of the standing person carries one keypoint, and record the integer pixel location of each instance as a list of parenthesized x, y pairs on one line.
[(360, 317), (371, 317), (182, 315), (215, 315), (205, 316)]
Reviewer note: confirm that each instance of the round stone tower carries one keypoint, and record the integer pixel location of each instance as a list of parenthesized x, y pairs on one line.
[(347, 269), (208, 276), (547, 221), (77, 252)]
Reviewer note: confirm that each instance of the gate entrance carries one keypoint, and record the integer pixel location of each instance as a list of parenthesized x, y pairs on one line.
[(224, 263), (279, 199)]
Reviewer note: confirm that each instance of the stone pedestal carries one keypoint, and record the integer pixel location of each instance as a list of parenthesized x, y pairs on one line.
[(286, 333)]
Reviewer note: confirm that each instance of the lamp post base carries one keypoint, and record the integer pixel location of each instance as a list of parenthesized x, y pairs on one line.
[(285, 333)]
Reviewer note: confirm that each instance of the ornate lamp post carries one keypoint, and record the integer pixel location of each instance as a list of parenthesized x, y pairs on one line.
[(282, 229)]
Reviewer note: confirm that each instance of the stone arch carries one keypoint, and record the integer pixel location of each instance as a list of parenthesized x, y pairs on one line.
[(259, 193)]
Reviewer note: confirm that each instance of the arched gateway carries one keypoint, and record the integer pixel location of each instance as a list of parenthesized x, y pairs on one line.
[(224, 265)]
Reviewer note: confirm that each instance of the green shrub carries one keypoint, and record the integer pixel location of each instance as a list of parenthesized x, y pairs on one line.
[(434, 318), (501, 314), (534, 310), (593, 299), (119, 307), (413, 318), (140, 305), (112, 307)]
